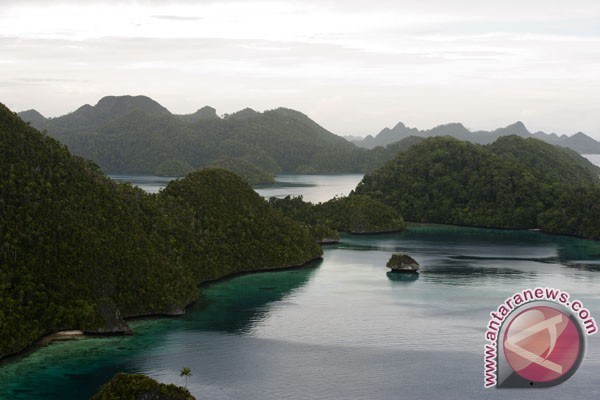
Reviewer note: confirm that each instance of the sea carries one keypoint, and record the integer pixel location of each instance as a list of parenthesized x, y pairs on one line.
[(339, 328)]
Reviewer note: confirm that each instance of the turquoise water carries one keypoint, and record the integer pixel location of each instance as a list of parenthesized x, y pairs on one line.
[(340, 328)]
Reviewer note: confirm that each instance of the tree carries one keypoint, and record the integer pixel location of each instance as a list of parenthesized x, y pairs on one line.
[(185, 372)]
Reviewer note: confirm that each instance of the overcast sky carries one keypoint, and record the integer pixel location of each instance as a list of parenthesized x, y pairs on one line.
[(353, 66)]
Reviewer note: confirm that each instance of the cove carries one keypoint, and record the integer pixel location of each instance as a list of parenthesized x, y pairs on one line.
[(339, 328)]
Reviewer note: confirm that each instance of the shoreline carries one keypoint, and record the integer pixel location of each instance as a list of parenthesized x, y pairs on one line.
[(78, 334), (62, 335), (374, 232), (272, 269), (532, 230), (75, 334), (46, 339), (208, 283)]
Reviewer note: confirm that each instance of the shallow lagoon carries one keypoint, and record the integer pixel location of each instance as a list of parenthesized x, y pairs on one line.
[(340, 328)]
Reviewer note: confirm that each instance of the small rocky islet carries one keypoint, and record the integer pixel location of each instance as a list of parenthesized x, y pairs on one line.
[(402, 263)]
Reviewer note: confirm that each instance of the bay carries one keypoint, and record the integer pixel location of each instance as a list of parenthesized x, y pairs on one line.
[(340, 328), (314, 188)]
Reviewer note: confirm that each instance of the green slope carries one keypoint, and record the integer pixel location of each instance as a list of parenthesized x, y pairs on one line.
[(507, 184), (353, 214), (72, 243), (245, 169), (549, 163), (140, 387), (136, 135), (78, 251), (228, 228)]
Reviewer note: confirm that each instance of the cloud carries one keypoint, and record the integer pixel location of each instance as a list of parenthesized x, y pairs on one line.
[(426, 62), (177, 18)]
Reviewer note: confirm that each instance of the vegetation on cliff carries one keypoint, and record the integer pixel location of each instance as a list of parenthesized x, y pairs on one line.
[(75, 250), (124, 386), (512, 183), (575, 212), (79, 251), (246, 170), (135, 134), (228, 228), (353, 214)]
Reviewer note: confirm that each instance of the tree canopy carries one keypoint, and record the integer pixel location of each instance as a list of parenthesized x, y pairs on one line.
[(79, 251), (139, 387), (134, 134), (512, 183), (353, 214)]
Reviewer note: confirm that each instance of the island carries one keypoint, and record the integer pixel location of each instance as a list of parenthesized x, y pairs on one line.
[(81, 252), (402, 263), (140, 387), (513, 183), (353, 214)]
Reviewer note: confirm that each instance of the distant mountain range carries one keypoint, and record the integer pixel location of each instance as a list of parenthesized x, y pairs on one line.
[(579, 142), (135, 134)]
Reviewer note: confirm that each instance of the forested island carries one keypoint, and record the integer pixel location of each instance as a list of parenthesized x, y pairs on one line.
[(246, 170), (353, 214), (140, 387), (512, 183), (79, 251)]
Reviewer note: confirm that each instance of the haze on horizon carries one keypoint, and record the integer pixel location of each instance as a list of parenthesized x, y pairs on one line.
[(354, 67)]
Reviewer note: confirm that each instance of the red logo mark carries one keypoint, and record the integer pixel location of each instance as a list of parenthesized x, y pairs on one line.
[(541, 344)]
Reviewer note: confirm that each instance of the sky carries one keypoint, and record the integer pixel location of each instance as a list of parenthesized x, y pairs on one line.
[(354, 67)]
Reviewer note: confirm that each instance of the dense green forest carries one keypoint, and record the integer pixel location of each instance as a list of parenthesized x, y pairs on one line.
[(575, 212), (246, 170), (135, 134), (140, 387), (227, 227), (79, 251), (512, 183), (353, 214)]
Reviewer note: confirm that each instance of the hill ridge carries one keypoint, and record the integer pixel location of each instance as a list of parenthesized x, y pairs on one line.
[(121, 140), (580, 142)]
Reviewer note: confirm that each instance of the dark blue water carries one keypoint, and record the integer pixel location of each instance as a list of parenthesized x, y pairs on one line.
[(341, 328)]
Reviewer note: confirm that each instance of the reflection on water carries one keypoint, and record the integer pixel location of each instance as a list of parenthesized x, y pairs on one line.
[(235, 305), (402, 276), (460, 243), (313, 188), (341, 329), (78, 367)]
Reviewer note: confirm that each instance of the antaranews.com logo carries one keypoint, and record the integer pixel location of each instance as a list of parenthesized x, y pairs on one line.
[(536, 339)]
